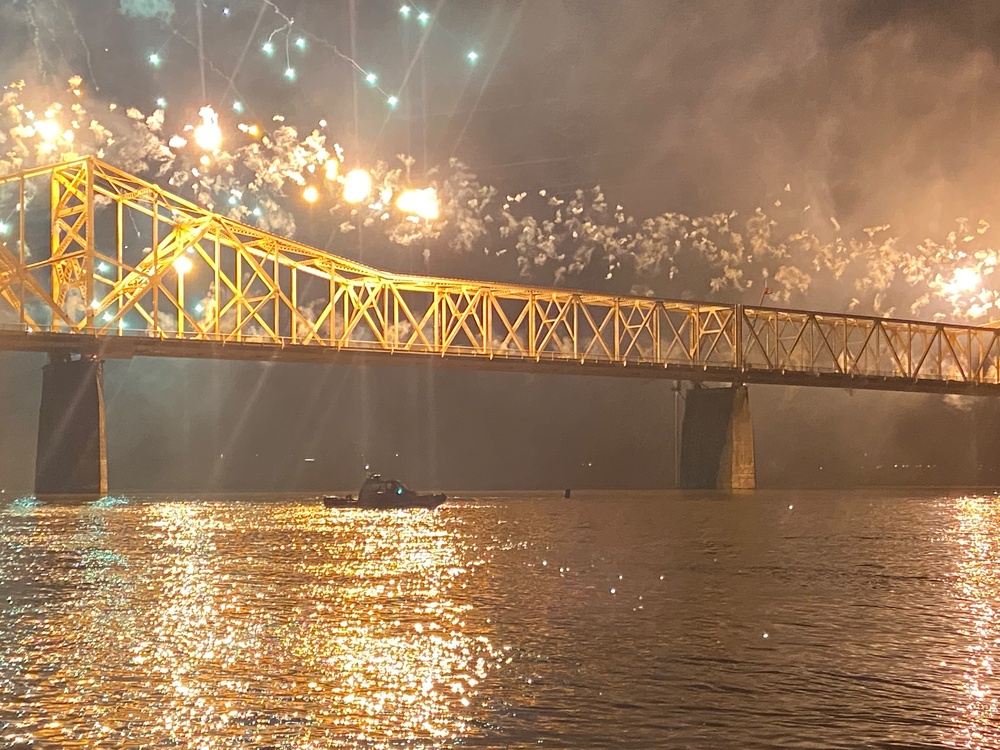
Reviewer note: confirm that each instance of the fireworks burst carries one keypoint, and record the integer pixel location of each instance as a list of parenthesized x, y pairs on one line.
[(265, 173)]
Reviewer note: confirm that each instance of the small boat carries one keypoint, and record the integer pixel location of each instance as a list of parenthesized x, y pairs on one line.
[(379, 493)]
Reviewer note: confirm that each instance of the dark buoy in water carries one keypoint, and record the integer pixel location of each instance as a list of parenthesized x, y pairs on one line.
[(567, 493)]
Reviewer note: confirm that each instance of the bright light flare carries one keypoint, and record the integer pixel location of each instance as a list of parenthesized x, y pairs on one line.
[(310, 194), (208, 135), (423, 203), (472, 57), (48, 130), (332, 168), (357, 186), (392, 101), (183, 265), (964, 281)]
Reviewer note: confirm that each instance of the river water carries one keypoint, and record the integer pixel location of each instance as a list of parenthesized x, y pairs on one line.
[(611, 620)]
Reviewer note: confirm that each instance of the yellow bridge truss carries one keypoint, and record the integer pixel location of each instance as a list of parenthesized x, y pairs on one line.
[(193, 283)]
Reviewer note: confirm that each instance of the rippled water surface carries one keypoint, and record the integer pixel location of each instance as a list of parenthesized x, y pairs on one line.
[(618, 620)]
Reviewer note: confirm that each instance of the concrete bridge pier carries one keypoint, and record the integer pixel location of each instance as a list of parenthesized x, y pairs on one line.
[(71, 457), (717, 440)]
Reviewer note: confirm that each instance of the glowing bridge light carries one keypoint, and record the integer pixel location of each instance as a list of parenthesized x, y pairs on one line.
[(424, 17), (161, 102), (472, 57), (208, 135), (4, 227), (103, 267), (371, 79), (300, 42), (290, 73), (392, 101), (357, 186), (238, 107), (183, 265), (405, 10), (423, 203), (155, 60), (108, 317), (267, 48)]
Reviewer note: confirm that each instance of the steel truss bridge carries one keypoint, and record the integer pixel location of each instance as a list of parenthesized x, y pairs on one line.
[(97, 262)]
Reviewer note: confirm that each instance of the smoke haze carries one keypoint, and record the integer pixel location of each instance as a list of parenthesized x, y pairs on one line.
[(873, 116)]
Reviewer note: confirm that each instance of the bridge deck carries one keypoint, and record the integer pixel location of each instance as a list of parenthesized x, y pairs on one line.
[(196, 284)]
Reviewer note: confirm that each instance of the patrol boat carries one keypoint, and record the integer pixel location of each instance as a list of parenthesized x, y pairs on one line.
[(380, 493)]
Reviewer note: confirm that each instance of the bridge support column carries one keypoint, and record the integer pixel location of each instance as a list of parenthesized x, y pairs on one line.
[(717, 440), (71, 458)]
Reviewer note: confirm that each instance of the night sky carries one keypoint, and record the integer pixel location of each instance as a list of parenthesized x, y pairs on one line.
[(833, 117)]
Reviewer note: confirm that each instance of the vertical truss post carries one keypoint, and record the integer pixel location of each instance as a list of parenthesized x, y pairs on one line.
[(532, 322), (20, 248), (90, 249), (740, 311)]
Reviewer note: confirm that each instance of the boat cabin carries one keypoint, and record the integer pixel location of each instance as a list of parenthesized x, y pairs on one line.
[(375, 487)]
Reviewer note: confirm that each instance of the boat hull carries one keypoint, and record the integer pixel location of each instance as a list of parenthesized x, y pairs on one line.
[(417, 501)]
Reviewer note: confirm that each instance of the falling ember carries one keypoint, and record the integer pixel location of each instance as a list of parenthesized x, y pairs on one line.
[(357, 186), (208, 135), (423, 203), (310, 194), (332, 167)]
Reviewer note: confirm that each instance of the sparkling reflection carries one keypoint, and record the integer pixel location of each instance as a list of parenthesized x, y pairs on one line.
[(201, 624), (978, 593)]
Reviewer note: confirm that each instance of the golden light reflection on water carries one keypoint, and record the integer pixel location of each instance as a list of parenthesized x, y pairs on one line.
[(978, 594), (216, 625)]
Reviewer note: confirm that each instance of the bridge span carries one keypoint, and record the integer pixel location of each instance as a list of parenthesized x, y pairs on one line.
[(96, 263)]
